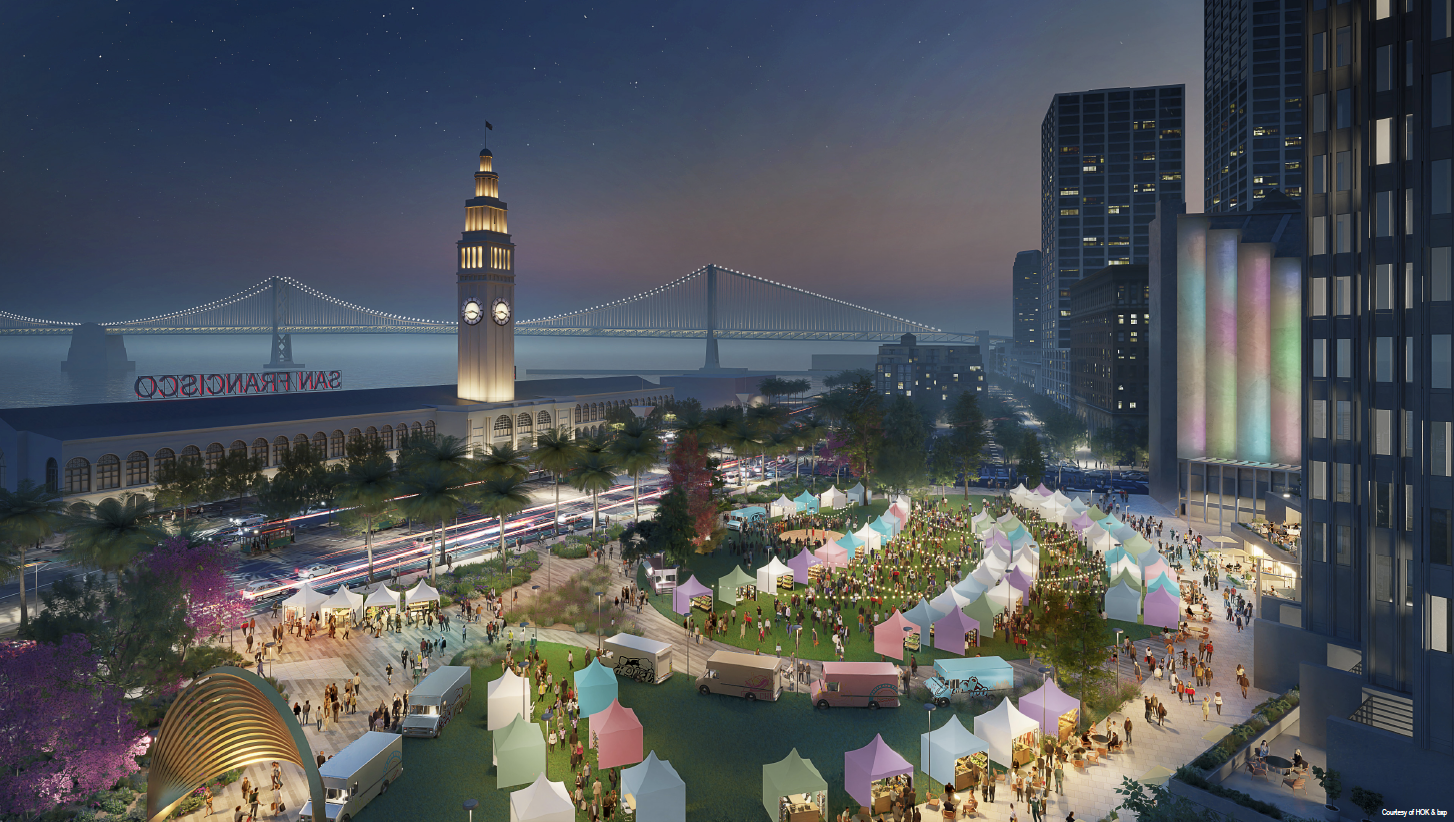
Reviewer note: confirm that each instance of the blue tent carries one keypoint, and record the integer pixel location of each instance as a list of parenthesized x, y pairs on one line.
[(851, 544), (923, 615), (806, 502), (660, 795), (596, 688)]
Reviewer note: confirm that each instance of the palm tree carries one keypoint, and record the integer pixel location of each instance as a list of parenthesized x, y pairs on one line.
[(500, 497), (367, 486), (435, 494), (448, 455), (28, 516), (593, 473), (110, 534), (742, 439), (503, 461), (556, 451), (637, 448), (813, 431), (779, 442), (182, 482)]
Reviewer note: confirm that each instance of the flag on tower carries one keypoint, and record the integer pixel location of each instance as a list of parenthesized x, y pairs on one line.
[(488, 126)]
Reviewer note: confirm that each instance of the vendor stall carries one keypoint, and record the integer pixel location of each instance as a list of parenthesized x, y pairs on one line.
[(519, 753), (616, 735), (1057, 713), (894, 523), (769, 575), (872, 540), (1081, 522), (956, 632), (1118, 554), (304, 603), (833, 555), (807, 503), (1138, 545), (1123, 602), (889, 635), (858, 494), (832, 498), (883, 528), (985, 575), (421, 597), (653, 792), (1005, 595), (868, 771), (781, 507), (794, 791), (800, 564), (507, 698), (1018, 580), (1162, 609), (983, 611), (852, 544), (1125, 533), (1095, 513), (949, 600), (596, 688), (344, 603), (683, 595), (380, 598), (1163, 581), (970, 588), (1043, 491), (1008, 734), (923, 615), (1132, 579), (946, 753), (1154, 570), (1103, 542), (543, 801), (736, 587)]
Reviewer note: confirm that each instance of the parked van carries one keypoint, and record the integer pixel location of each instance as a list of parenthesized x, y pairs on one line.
[(357, 774), (971, 675), (745, 516), (749, 676), (871, 685), (436, 700), (638, 658)]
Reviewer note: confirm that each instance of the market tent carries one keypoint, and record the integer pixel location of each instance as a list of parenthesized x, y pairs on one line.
[(1123, 602), (885, 531), (832, 498), (1163, 581), (888, 636), (382, 597), (949, 630), (1150, 558), (985, 576), (681, 596), (1154, 570), (1020, 539), (1060, 498), (1094, 532), (806, 502), (983, 611), (1053, 512), (949, 600), (900, 511), (1095, 513), (871, 539), (833, 555), (996, 538), (1043, 491), (1047, 704), (727, 586), (309, 601), (872, 762), (903, 501), (1116, 555), (769, 574), (1104, 542), (782, 506), (1020, 490), (344, 599), (800, 564), (1162, 609), (793, 775), (423, 592), (850, 543), (507, 699), (596, 688), (894, 523), (543, 801), (616, 734), (1138, 545), (1009, 522), (999, 728), (1130, 578), (1110, 523), (1081, 522), (519, 753), (1003, 595), (1018, 580), (998, 557), (941, 749), (923, 615), (969, 588), (660, 795), (984, 525), (857, 494)]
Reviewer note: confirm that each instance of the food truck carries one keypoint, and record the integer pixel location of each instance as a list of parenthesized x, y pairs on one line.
[(871, 685), (662, 579), (638, 658), (436, 700), (357, 774), (745, 516), (974, 675), (749, 676)]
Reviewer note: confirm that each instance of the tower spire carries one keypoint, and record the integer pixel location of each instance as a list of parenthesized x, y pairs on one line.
[(486, 283)]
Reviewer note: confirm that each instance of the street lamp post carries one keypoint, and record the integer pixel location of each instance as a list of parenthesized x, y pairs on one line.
[(470, 805), (599, 594), (1118, 658), (536, 621), (929, 785)]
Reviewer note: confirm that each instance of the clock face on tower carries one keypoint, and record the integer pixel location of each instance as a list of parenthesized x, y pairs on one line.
[(472, 311), (500, 312)]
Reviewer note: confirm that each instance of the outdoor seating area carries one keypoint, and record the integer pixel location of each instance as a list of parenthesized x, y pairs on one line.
[(1284, 776)]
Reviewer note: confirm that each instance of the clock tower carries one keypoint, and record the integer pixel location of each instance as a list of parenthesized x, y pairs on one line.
[(486, 301)]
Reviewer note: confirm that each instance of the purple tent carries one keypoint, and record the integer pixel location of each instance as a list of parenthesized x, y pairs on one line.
[(949, 631), (1043, 491), (1046, 705), (874, 761), (1162, 609), (681, 598), (1018, 580), (800, 565), (1081, 523), (997, 538)]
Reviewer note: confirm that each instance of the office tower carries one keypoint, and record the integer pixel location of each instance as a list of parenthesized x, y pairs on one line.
[(1106, 156), (1374, 639), (1109, 320), (1026, 294), (1254, 101), (932, 372)]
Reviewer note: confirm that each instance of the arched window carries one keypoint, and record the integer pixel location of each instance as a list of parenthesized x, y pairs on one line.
[(502, 427), (524, 424), (52, 476), (137, 469), (78, 476), (386, 435), (372, 434), (429, 428), (354, 435), (192, 454), (542, 420), (165, 459), (402, 432), (108, 472), (214, 455), (238, 447), (335, 444), (280, 449), (320, 445), (578, 414), (260, 451), (416, 429)]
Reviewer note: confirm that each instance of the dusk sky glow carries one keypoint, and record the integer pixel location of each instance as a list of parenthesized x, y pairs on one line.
[(158, 155)]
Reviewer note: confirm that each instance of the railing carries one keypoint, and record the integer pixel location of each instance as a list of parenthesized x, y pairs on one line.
[(1385, 713)]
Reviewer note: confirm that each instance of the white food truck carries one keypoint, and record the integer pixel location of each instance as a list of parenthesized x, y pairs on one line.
[(638, 658), (357, 774), (436, 700)]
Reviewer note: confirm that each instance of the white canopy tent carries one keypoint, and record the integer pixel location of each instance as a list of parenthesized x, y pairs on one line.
[(421, 593), (999, 729), (782, 506), (949, 600), (769, 574), (858, 494), (382, 597), (508, 698), (1004, 594), (872, 540), (344, 599), (543, 801), (307, 601), (985, 577), (832, 498), (903, 499)]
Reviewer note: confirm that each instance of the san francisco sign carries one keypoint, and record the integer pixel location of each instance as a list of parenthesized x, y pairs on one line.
[(197, 386)]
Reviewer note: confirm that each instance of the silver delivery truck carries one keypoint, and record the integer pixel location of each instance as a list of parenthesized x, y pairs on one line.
[(357, 774), (436, 700)]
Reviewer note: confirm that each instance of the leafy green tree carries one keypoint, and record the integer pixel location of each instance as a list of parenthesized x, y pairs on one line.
[(637, 447), (848, 378), (112, 533), (234, 476), (1077, 643), (500, 497), (556, 451), (902, 456), (181, 483), (672, 531), (1031, 460), (367, 488), (855, 409), (594, 472), (964, 448), (29, 516), (434, 492)]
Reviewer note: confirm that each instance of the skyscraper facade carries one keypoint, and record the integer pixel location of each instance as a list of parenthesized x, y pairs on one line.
[(1105, 158), (1378, 420), (1254, 101), (1026, 294)]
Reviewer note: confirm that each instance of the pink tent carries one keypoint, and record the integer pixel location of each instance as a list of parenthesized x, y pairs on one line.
[(800, 565), (832, 555), (1018, 580), (888, 636), (1043, 491), (1155, 570), (1162, 609), (949, 631), (617, 735), (874, 761), (681, 597), (898, 511)]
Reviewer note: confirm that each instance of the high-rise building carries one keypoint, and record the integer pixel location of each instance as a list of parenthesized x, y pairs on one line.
[(1374, 636), (1253, 55), (932, 372), (1105, 158), (1110, 315), (1026, 294), (486, 279)]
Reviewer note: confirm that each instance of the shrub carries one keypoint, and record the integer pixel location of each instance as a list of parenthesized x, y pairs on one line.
[(189, 805), (580, 627), (1198, 780), (575, 550)]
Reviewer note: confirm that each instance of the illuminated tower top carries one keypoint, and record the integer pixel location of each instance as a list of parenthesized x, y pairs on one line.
[(486, 278)]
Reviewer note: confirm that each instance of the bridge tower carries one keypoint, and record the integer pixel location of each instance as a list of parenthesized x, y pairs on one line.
[(486, 280), (282, 359)]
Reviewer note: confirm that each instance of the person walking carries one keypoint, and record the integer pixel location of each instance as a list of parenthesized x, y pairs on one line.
[(1206, 708), (1059, 778), (1127, 726), (1161, 715), (1217, 700)]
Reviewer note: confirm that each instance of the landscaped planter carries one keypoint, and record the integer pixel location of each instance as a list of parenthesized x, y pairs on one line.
[(1225, 807)]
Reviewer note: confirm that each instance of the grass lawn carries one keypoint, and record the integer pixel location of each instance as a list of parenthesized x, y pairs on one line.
[(718, 745)]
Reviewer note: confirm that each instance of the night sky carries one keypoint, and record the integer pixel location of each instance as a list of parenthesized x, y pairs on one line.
[(158, 155)]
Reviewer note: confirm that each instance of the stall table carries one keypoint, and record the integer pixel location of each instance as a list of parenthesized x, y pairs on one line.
[(785, 582), (703, 601)]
